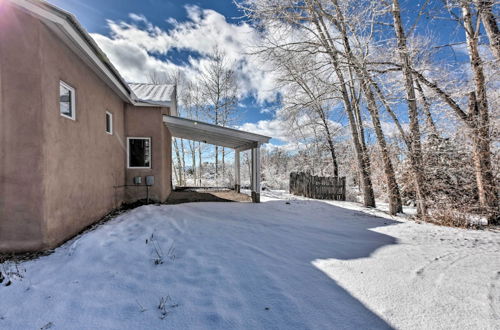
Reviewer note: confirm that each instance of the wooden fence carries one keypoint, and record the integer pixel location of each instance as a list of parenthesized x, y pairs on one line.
[(318, 187)]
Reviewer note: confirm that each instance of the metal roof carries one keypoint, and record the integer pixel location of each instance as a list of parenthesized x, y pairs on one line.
[(161, 94), (213, 134)]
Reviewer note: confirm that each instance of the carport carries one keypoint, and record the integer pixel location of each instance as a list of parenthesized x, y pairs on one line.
[(224, 137)]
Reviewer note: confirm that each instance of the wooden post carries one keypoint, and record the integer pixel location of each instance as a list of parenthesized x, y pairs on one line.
[(256, 174), (343, 197), (237, 179)]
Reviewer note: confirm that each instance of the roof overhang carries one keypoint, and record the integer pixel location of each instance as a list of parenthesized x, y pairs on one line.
[(162, 95), (213, 134), (74, 35), (67, 27)]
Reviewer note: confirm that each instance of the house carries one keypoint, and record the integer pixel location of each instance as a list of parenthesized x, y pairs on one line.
[(76, 140)]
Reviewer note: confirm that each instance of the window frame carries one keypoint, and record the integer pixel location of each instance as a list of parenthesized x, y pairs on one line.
[(150, 152), (72, 100), (110, 123)]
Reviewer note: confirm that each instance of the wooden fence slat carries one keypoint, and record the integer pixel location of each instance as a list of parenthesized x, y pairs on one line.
[(312, 186)]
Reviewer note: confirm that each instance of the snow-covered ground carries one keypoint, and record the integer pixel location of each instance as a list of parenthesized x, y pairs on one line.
[(286, 263)]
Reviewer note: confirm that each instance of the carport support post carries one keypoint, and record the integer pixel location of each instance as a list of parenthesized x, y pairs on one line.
[(237, 180), (256, 174)]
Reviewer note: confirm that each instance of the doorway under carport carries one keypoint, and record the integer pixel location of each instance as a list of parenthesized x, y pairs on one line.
[(226, 137)]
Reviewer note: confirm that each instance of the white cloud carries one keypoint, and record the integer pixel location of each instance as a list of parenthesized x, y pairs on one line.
[(138, 18), (132, 61), (137, 48), (274, 128), (279, 129)]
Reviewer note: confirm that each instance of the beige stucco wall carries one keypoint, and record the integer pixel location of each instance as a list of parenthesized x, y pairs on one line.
[(82, 163), (148, 122), (21, 135), (58, 176)]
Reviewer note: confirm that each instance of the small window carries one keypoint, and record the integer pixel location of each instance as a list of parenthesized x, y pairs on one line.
[(109, 123), (139, 152), (67, 100)]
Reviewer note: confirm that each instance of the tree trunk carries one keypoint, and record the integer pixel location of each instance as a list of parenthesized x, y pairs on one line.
[(479, 115), (200, 161), (176, 175), (217, 147), (395, 204), (487, 188), (363, 159), (192, 147), (368, 195), (223, 162), (358, 126), (485, 8), (216, 165), (179, 164), (415, 148), (394, 196), (331, 147), (183, 163), (431, 126)]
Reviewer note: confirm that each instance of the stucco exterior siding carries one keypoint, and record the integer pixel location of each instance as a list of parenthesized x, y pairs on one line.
[(58, 175), (148, 122), (21, 135), (82, 163)]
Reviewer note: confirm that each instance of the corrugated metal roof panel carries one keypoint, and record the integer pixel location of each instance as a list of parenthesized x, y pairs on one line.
[(153, 93)]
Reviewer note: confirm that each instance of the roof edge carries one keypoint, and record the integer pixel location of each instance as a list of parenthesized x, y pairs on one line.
[(67, 22), (252, 136), (59, 17)]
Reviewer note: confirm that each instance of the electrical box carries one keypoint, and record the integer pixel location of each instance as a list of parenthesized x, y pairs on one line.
[(150, 180), (137, 180)]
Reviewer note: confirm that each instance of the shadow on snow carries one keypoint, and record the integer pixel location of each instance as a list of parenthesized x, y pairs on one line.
[(234, 265)]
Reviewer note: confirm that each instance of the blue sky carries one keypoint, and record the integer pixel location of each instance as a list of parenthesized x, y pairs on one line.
[(94, 15), (146, 35)]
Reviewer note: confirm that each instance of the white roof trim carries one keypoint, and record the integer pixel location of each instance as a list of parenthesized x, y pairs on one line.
[(69, 26), (76, 36), (213, 134)]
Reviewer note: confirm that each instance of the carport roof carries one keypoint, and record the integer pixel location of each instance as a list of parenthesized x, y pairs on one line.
[(208, 133)]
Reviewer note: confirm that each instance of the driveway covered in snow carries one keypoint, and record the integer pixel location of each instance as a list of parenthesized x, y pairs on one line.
[(276, 265)]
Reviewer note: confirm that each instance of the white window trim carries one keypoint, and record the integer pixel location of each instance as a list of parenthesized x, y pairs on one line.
[(128, 152), (73, 101), (110, 123)]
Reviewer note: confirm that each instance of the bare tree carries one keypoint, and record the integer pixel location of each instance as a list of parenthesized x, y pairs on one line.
[(476, 117), (220, 89), (193, 107), (360, 53), (414, 145), (288, 18), (337, 19), (308, 95), (478, 105)]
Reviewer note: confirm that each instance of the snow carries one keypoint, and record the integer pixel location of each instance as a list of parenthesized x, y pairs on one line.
[(303, 265)]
